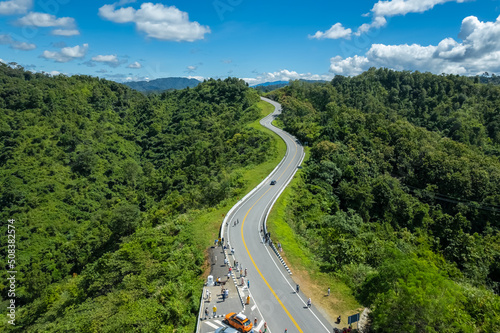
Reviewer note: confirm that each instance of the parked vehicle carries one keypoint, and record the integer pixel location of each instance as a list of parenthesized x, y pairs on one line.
[(239, 321)]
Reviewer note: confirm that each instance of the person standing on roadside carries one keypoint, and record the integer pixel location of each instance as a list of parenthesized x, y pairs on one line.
[(214, 309), (297, 288), (309, 302)]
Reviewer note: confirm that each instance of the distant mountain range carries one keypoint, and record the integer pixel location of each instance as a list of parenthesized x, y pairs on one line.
[(269, 86), (169, 83), (265, 84), (174, 83)]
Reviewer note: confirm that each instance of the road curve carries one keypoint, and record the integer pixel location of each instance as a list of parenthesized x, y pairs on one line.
[(271, 286)]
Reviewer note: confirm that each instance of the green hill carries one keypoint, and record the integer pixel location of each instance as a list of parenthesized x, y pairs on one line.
[(103, 182), (400, 198)]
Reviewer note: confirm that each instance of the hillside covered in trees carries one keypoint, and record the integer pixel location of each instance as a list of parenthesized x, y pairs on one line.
[(101, 181), (400, 197)]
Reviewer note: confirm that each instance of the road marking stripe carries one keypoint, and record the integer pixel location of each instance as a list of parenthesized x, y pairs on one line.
[(253, 307), (218, 322), (253, 261), (260, 325), (211, 325)]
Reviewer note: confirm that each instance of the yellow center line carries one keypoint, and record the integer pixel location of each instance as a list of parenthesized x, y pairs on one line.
[(251, 258)]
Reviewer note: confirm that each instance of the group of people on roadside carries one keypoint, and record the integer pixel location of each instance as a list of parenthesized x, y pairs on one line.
[(224, 293), (218, 282), (219, 242), (214, 311)]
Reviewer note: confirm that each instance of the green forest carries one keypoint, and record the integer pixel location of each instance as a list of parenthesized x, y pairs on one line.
[(103, 183), (400, 197)]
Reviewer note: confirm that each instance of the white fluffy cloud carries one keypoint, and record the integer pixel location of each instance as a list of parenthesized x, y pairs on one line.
[(66, 25), (335, 32), (157, 21), (23, 46), (110, 60), (44, 20), (478, 52), (16, 45), (106, 58), (380, 11), (377, 22), (350, 66), (197, 77), (403, 7), (53, 73), (65, 32), (135, 65), (67, 53), (15, 7), (285, 75)]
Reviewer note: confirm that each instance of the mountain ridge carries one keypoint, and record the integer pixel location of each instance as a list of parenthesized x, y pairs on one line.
[(168, 83)]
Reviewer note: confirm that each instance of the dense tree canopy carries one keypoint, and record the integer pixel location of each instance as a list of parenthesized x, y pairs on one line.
[(100, 180), (401, 195)]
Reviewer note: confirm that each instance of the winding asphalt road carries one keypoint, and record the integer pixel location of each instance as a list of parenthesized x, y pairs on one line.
[(271, 286)]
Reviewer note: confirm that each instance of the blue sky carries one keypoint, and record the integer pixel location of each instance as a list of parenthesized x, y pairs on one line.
[(255, 40)]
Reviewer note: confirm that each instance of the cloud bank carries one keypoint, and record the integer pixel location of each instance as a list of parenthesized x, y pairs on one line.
[(478, 51), (13, 7), (380, 11), (157, 21), (66, 54)]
